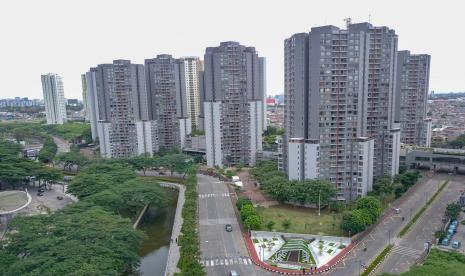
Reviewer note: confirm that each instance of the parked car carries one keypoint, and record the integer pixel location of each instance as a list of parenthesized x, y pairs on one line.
[(228, 227), (41, 190), (40, 194), (456, 244), (445, 242), (233, 273)]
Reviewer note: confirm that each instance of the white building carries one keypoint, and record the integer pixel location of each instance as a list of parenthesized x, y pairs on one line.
[(54, 98)]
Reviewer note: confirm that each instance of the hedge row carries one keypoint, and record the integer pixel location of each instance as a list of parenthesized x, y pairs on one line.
[(189, 240), (249, 215), (377, 260)]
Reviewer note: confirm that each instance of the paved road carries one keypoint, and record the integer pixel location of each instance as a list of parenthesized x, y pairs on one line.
[(408, 249), (221, 251), (389, 227), (62, 144)]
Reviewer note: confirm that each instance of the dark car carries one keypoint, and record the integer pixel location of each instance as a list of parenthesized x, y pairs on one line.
[(40, 194), (228, 228), (41, 190)]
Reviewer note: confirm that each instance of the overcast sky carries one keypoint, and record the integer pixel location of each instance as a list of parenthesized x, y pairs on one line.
[(69, 37)]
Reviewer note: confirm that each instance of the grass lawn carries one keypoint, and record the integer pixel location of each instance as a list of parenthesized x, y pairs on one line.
[(10, 200), (303, 220)]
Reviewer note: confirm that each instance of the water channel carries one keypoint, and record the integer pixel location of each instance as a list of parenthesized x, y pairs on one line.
[(157, 225)]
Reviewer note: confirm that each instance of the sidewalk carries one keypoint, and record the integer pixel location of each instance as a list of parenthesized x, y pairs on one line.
[(174, 254)]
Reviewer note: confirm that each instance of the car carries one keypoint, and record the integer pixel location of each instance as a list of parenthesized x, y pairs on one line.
[(233, 273), (40, 194), (397, 210), (456, 244), (228, 227), (41, 190)]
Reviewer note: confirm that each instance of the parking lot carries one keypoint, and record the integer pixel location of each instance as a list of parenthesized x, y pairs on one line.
[(47, 203)]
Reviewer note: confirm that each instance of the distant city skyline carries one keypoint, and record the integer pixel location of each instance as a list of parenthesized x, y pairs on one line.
[(79, 42)]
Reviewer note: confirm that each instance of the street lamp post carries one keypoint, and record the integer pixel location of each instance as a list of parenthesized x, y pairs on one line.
[(319, 202)]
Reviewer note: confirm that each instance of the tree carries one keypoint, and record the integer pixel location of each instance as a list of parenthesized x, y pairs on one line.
[(142, 162), (286, 224), (119, 172), (355, 221), (48, 151), (71, 159), (241, 201), (86, 184), (138, 192), (74, 241), (270, 225), (453, 210), (253, 222), (371, 205), (246, 211)]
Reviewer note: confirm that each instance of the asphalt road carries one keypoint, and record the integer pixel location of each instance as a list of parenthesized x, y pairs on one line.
[(408, 249), (221, 251), (388, 228)]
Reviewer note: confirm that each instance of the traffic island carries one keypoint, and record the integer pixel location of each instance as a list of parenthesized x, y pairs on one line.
[(296, 254)]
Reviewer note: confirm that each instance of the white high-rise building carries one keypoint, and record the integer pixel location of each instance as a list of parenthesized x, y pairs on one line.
[(192, 66), (54, 99)]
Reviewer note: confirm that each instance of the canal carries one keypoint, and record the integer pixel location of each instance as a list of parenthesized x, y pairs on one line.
[(157, 225)]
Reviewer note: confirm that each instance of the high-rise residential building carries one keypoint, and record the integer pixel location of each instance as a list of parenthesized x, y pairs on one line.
[(119, 112), (84, 97), (412, 98), (190, 74), (167, 103), (233, 104), (339, 106), (54, 98)]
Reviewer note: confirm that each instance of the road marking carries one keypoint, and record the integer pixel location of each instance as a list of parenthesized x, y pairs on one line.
[(226, 261), (407, 251), (214, 195)]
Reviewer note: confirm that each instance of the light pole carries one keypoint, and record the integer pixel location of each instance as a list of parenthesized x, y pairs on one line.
[(319, 202)]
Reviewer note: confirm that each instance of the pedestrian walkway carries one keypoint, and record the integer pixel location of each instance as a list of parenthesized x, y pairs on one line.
[(407, 251), (213, 195), (225, 261), (174, 252)]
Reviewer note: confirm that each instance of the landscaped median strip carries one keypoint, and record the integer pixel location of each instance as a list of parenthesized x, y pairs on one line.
[(377, 260), (422, 210)]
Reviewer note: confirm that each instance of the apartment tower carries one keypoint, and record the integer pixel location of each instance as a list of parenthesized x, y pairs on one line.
[(84, 97), (233, 104), (166, 89), (54, 98), (119, 111), (412, 98), (339, 106)]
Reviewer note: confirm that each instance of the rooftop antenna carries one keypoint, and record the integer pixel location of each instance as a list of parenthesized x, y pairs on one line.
[(348, 21)]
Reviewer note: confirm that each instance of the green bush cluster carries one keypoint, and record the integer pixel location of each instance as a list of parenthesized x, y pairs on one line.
[(366, 213), (189, 240), (249, 215), (276, 185)]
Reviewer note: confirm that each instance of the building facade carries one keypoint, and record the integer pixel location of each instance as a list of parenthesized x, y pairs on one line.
[(233, 104), (84, 97), (165, 79), (119, 114), (54, 98), (412, 97), (190, 77), (339, 106)]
